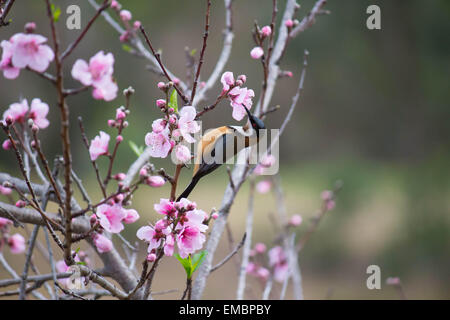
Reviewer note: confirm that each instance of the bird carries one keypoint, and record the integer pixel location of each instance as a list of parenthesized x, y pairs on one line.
[(217, 143)]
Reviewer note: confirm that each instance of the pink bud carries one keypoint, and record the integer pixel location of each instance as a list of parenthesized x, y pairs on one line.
[(93, 219), (266, 31), (102, 243), (330, 205), (120, 114), (143, 172), (6, 145), (120, 176), (115, 4), (151, 257), (9, 120), (257, 52), (260, 247), (125, 15), (215, 215), (30, 27), (263, 273), (295, 220), (125, 124), (33, 144), (289, 23), (155, 181), (111, 123), (124, 36), (289, 74), (137, 24), (202, 84), (326, 195), (20, 204), (118, 198), (160, 103), (243, 78), (161, 85), (172, 120), (119, 138), (5, 190), (171, 110), (176, 81)]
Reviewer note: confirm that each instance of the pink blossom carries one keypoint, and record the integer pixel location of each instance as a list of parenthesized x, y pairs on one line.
[(4, 222), (115, 4), (159, 125), (17, 111), (276, 256), (9, 71), (182, 153), (281, 271), (295, 220), (5, 190), (159, 143), (102, 243), (264, 186), (278, 260), (289, 23), (148, 234), (125, 15), (99, 146), (257, 52), (165, 207), (190, 237), (131, 216), (38, 113), (98, 73), (111, 216), (30, 51), (155, 181), (227, 80), (17, 243), (187, 123), (266, 31), (260, 247), (6, 145), (241, 97), (169, 246), (189, 240)]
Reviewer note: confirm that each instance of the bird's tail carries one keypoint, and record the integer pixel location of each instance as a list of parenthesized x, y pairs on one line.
[(189, 188)]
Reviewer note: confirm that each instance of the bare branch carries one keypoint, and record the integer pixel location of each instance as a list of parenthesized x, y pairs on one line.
[(230, 255)]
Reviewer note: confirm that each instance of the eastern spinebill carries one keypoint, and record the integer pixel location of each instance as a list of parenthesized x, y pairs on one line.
[(220, 144)]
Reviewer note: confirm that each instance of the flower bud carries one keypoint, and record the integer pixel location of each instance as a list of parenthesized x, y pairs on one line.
[(125, 15), (289, 23), (30, 27), (120, 176), (20, 204), (119, 138), (128, 91), (143, 172), (151, 257), (6, 145), (160, 103), (266, 31), (111, 123), (137, 24)]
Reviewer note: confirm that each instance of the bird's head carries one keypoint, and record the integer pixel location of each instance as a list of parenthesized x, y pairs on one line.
[(257, 124)]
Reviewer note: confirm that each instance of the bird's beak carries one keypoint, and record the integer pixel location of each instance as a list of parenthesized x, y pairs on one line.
[(250, 115)]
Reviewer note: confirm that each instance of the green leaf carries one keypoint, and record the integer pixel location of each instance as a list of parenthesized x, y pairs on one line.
[(82, 263), (78, 249), (198, 259), (138, 150), (173, 103), (186, 263), (126, 48), (193, 52), (56, 12)]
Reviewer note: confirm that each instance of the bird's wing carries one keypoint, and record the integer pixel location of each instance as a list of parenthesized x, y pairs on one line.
[(207, 144)]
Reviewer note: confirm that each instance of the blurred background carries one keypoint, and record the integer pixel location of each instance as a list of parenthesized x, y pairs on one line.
[(374, 113)]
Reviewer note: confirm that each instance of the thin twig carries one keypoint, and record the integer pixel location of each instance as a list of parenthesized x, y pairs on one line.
[(230, 255)]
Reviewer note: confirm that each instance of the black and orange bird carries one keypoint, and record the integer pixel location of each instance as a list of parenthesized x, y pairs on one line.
[(221, 144)]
